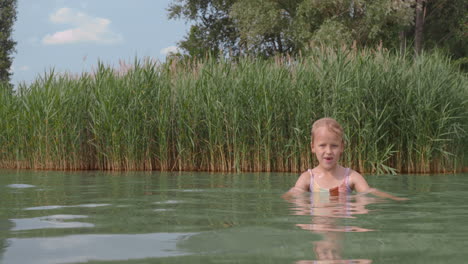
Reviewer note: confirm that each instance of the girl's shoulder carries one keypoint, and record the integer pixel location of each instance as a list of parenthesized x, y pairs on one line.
[(357, 181), (305, 176), (303, 181), (353, 173)]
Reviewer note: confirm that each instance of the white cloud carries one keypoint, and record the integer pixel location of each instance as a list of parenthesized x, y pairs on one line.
[(84, 29), (24, 68), (170, 50)]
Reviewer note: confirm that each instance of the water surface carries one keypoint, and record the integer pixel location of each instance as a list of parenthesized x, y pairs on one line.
[(153, 217)]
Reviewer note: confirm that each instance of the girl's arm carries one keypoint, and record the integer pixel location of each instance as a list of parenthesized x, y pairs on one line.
[(382, 194), (301, 186), (361, 186)]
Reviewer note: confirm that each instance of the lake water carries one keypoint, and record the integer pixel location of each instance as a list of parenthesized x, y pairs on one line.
[(140, 217)]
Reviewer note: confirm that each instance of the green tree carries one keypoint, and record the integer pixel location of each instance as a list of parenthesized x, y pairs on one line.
[(446, 26), (7, 44), (419, 25), (213, 29), (440, 24), (299, 23), (268, 27)]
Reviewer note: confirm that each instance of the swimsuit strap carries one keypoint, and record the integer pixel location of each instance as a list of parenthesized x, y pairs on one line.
[(311, 185), (347, 174)]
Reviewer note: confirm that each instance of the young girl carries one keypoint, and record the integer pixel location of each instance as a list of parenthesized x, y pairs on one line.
[(329, 177)]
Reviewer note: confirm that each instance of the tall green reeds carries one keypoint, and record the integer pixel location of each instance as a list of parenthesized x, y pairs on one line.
[(400, 114)]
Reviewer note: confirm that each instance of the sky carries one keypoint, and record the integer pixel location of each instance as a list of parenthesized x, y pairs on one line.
[(73, 35)]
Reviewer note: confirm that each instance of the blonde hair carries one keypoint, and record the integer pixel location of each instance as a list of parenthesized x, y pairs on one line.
[(329, 123)]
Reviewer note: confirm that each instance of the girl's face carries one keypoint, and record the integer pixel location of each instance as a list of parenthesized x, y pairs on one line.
[(328, 147)]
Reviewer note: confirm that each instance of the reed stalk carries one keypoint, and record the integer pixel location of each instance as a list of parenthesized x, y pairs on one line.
[(400, 114)]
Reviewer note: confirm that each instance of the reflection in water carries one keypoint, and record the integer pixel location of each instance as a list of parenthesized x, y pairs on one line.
[(328, 213), (20, 186), (5, 226), (52, 207), (244, 221), (83, 248), (52, 221)]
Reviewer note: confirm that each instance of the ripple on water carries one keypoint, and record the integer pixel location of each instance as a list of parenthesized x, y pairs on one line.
[(52, 207), (169, 202), (20, 186), (191, 190), (51, 221), (82, 248), (162, 210), (91, 205)]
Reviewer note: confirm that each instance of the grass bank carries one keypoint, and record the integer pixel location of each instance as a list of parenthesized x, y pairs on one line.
[(400, 115)]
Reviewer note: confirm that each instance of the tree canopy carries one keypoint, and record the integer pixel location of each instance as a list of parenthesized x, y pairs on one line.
[(268, 27), (7, 44)]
